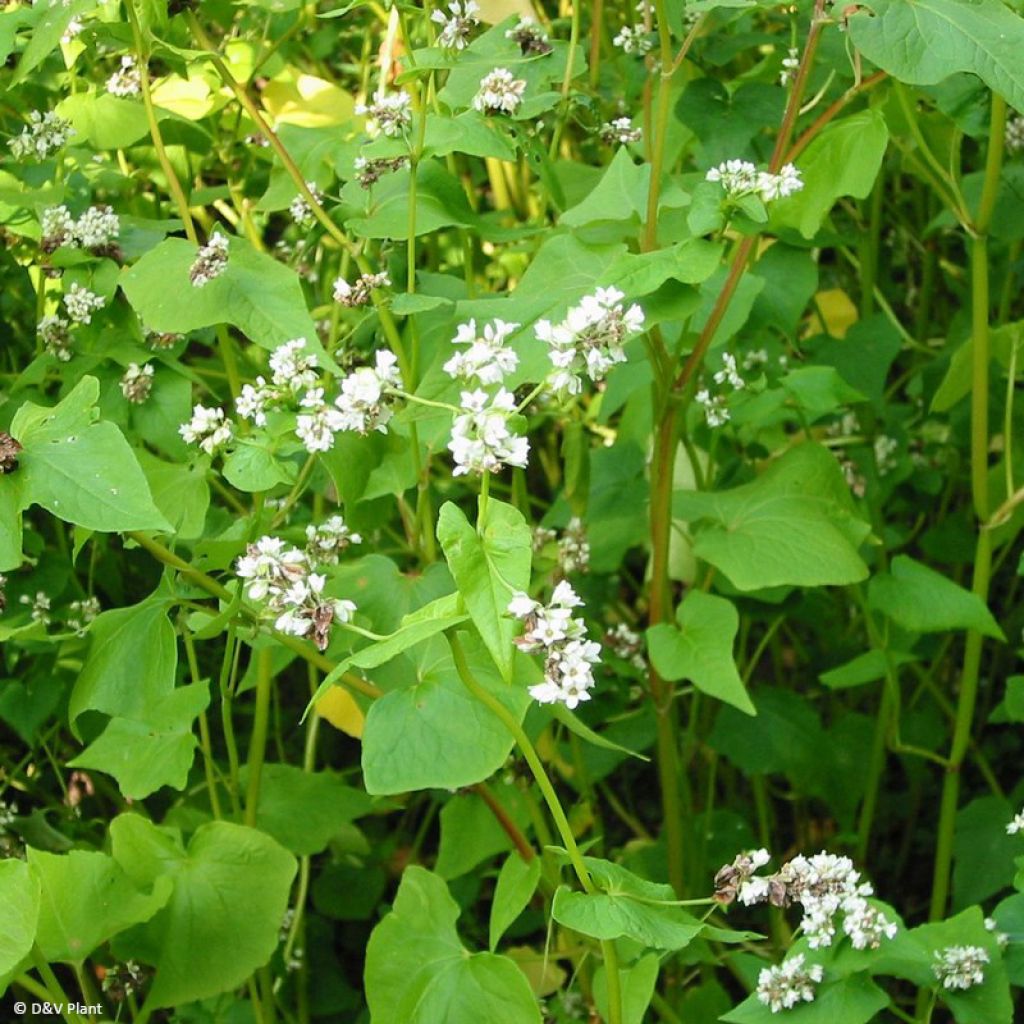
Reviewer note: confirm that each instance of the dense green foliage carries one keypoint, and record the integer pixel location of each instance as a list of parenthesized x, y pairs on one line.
[(479, 484)]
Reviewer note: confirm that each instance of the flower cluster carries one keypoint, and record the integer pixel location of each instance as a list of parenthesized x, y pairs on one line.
[(283, 579), (634, 40), (1014, 138), (716, 411), (500, 92), (81, 614), (326, 542), (590, 339), (960, 967), (532, 39), (43, 135), (619, 130), (96, 229), (572, 548), (824, 885), (389, 114), (38, 606), (790, 63), (569, 656), (360, 292), (487, 360), (627, 644), (369, 172), (482, 440), (741, 178), (782, 987), (300, 210), (208, 428), (54, 332), (1016, 824), (82, 303), (363, 403), (137, 383), (211, 261), (127, 80), (456, 24)]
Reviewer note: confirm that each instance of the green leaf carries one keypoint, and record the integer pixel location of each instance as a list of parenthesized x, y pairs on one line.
[(230, 892), (447, 737), (19, 896), (926, 41), (255, 293), (700, 649), (106, 121), (152, 749), (180, 491), (86, 899), (626, 907), (864, 668), (470, 832), (852, 1000), (47, 32), (921, 600), (418, 972), (488, 565), (80, 470), (252, 468), (131, 663), (842, 161), (793, 525), (517, 882), (304, 811), (636, 983)]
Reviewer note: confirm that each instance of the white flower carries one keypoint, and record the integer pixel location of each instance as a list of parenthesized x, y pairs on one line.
[(789, 983), (481, 439), (960, 967), (361, 292), (741, 178), (487, 360), (522, 605), (208, 428), (363, 403), (82, 303), (499, 93), (716, 413), (39, 606), (389, 114), (301, 211), (789, 65), (44, 134), (778, 186), (620, 130), (886, 453), (57, 227), (457, 24), (81, 614), (316, 426), (532, 40), (1014, 135), (728, 373), (137, 383), (254, 400), (97, 228), (127, 80), (590, 339), (1016, 824), (633, 40), (326, 542), (369, 172), (211, 261), (53, 330), (292, 367), (269, 565)]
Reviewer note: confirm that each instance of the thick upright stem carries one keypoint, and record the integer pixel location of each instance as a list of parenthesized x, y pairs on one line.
[(258, 740), (968, 695)]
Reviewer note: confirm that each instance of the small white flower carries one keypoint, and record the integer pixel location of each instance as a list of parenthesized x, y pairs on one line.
[(316, 426), (741, 178), (389, 114), (1015, 135), (363, 404), (456, 24), (790, 63), (254, 400), (39, 606), (211, 261), (960, 967), (127, 80), (728, 373), (500, 92), (532, 40), (782, 987), (1016, 824), (481, 439), (43, 135), (620, 130), (208, 428), (97, 228), (301, 211), (82, 303), (56, 337), (57, 227), (360, 293), (326, 542), (487, 360), (137, 383), (716, 412), (633, 40), (292, 367)]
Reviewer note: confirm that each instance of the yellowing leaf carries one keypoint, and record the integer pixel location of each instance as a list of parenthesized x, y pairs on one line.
[(493, 11), (338, 707), (307, 101), (187, 97), (837, 310), (543, 974)]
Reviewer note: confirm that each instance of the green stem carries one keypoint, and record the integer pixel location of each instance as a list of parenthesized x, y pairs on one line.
[(967, 697), (258, 740), (204, 727), (540, 775), (54, 988)]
